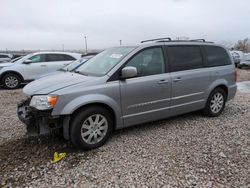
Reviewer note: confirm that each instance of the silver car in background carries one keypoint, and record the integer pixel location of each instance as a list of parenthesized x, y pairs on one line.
[(245, 62), (126, 86)]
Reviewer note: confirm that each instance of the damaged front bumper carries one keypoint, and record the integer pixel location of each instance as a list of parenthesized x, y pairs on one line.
[(37, 122)]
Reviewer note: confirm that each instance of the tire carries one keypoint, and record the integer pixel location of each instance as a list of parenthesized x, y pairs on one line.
[(11, 81), (215, 103), (86, 134)]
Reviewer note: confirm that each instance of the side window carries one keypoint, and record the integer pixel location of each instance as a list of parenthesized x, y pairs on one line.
[(216, 56), (58, 57), (4, 56), (148, 62), (184, 57), (52, 57), (67, 57), (37, 58)]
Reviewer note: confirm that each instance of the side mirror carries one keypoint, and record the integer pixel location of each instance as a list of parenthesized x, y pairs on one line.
[(128, 72), (27, 61)]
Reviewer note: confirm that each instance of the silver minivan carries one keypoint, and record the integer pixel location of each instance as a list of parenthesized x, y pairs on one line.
[(126, 86)]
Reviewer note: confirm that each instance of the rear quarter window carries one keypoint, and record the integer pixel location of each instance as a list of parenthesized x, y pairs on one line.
[(216, 56)]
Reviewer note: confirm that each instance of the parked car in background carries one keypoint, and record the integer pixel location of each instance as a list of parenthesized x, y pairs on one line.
[(236, 58), (5, 57), (32, 66), (126, 86), (15, 59), (16, 56), (70, 67), (245, 62)]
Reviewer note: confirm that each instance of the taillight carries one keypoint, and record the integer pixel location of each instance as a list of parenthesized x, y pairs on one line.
[(235, 74)]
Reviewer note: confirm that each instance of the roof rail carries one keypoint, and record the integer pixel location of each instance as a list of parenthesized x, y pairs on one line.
[(158, 39), (168, 39), (198, 40)]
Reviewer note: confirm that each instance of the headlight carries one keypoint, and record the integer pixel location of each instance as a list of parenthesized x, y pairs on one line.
[(43, 102)]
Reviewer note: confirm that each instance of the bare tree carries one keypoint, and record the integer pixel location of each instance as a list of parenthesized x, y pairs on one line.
[(243, 45)]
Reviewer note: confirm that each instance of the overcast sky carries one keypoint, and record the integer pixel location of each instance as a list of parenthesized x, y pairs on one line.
[(48, 24)]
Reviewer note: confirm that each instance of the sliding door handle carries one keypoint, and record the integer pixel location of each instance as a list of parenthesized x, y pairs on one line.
[(163, 82), (177, 79)]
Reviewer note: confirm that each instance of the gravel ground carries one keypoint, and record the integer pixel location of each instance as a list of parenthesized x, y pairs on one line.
[(185, 151), (243, 74)]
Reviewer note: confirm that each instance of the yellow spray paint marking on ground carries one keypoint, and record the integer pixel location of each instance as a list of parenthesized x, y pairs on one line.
[(58, 157)]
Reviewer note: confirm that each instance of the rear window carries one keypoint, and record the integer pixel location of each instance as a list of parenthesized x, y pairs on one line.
[(58, 57), (184, 57), (216, 56)]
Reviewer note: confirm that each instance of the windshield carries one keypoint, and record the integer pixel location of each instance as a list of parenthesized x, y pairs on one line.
[(74, 65), (23, 58), (14, 60), (102, 63)]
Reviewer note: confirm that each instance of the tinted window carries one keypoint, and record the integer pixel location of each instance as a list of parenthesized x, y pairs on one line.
[(4, 56), (67, 57), (216, 56), (37, 58), (53, 57), (148, 62), (184, 57), (58, 57)]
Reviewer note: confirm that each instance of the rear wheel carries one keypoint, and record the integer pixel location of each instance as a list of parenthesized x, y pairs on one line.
[(91, 127), (11, 81), (215, 103)]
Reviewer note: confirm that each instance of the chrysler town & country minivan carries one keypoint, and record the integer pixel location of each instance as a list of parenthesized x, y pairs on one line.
[(126, 86)]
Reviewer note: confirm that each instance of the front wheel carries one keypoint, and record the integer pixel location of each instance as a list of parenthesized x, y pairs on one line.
[(91, 127), (11, 81), (215, 103)]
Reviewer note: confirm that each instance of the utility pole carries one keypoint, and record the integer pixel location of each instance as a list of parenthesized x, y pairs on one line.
[(86, 45), (120, 42)]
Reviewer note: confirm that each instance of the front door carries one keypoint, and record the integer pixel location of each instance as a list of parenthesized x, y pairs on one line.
[(147, 96), (37, 67)]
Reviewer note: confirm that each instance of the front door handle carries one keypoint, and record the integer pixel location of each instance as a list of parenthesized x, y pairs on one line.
[(177, 79), (43, 65), (163, 82)]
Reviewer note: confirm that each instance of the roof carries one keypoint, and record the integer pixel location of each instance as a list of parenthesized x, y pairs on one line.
[(57, 52), (168, 41)]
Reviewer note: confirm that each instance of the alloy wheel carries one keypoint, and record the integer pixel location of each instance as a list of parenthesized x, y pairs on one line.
[(11, 81), (94, 128), (217, 102)]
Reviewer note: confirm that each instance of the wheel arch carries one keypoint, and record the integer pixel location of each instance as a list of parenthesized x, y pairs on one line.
[(12, 72), (99, 104), (223, 84), (68, 119), (72, 107), (224, 87)]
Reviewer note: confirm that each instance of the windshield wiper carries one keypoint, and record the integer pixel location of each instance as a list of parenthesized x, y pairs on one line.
[(79, 72)]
